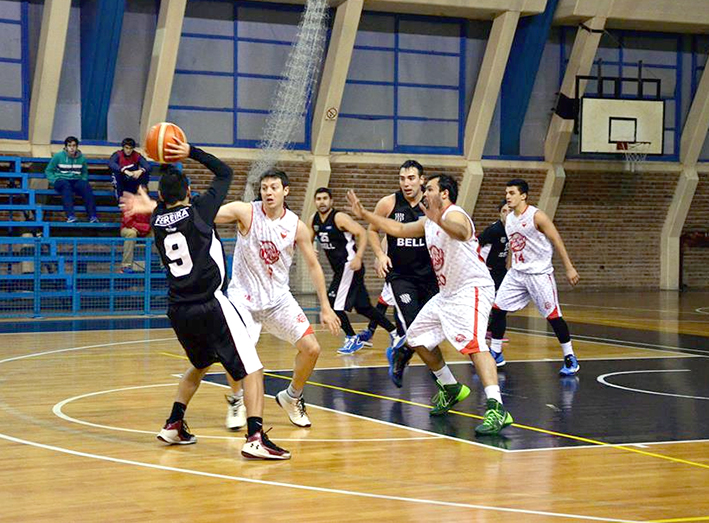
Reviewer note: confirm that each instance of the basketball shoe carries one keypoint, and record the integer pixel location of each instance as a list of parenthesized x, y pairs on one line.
[(571, 366), (295, 408), (177, 433), (366, 337), (398, 360), (258, 446), (396, 341), (448, 395), (499, 358), (496, 418), (235, 412), (352, 345)]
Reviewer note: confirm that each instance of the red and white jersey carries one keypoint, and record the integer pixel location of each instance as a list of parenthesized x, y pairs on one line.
[(458, 264), (262, 259), (531, 249)]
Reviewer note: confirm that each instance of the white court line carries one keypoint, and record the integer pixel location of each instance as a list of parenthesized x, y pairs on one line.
[(670, 311), (57, 410), (602, 379), (309, 488)]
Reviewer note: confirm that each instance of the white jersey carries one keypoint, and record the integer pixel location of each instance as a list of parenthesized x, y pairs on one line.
[(531, 249), (458, 264), (262, 259)]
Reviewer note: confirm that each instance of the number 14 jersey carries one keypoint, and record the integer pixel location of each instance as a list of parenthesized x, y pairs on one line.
[(531, 249)]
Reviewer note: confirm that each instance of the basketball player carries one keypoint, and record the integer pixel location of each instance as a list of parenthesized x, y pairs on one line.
[(406, 265), (531, 235), (460, 310), (336, 233), (494, 246), (268, 233), (207, 325)]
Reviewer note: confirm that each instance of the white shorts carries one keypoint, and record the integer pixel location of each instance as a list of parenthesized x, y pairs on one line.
[(518, 288), (460, 319), (387, 296), (285, 320)]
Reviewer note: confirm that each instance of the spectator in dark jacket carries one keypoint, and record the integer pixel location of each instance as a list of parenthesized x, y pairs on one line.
[(129, 169)]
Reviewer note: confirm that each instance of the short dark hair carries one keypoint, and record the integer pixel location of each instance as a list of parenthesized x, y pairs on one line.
[(323, 190), (128, 141), (173, 184), (409, 164), (522, 185), (70, 139), (446, 183), (275, 173), (501, 205)]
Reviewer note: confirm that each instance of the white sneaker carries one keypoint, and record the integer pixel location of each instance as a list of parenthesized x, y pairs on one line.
[(235, 412), (295, 408), (259, 446)]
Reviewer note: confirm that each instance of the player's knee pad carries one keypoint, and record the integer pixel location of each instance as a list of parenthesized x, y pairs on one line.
[(561, 329)]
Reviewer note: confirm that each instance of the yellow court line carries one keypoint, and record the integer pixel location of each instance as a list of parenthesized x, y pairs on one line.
[(679, 520), (517, 425)]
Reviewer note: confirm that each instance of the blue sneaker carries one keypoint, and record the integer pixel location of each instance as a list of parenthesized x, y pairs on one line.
[(71, 219), (366, 337), (352, 345), (571, 366), (499, 358), (398, 360)]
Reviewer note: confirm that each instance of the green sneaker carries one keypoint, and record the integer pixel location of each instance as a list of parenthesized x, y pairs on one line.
[(447, 396), (496, 419)]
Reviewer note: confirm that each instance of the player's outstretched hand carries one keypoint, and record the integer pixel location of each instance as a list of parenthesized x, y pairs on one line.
[(330, 320), (572, 276), (139, 203), (355, 204), (177, 151), (382, 265), (432, 208)]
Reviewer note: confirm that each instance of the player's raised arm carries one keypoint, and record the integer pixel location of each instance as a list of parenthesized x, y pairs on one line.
[(304, 243), (391, 227), (544, 224), (382, 262), (235, 212), (139, 203)]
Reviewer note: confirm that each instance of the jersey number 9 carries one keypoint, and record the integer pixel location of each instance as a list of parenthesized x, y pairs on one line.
[(176, 249)]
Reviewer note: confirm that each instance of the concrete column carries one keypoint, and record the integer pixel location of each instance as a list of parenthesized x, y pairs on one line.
[(580, 63), (487, 88), (672, 228), (162, 64), (337, 64), (551, 192), (470, 186), (48, 71), (697, 124)]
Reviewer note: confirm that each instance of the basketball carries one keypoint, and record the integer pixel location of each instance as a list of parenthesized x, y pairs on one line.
[(159, 136)]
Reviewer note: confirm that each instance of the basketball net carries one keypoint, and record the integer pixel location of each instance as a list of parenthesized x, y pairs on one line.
[(635, 153)]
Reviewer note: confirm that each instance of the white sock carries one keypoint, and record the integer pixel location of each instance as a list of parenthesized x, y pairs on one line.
[(293, 393), (496, 345), (393, 333), (493, 392), (445, 376), (238, 395), (567, 348)]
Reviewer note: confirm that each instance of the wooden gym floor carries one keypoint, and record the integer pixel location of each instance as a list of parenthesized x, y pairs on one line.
[(627, 440)]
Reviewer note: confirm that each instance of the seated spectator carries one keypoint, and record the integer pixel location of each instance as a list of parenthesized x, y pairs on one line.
[(129, 169), (137, 226), (68, 172)]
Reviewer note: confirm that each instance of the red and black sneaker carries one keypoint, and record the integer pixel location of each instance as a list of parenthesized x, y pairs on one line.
[(177, 433), (258, 446)]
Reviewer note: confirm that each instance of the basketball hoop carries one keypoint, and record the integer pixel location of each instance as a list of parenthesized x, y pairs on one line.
[(635, 153)]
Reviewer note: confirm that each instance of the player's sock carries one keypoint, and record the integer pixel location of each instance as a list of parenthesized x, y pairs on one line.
[(254, 424), (178, 412), (293, 392), (445, 376), (496, 345), (493, 392), (567, 348)]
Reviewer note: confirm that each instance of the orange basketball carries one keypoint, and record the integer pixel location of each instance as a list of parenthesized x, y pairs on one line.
[(159, 136)]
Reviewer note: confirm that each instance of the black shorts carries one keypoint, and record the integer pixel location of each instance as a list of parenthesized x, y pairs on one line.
[(209, 337), (497, 277), (347, 290), (410, 296)]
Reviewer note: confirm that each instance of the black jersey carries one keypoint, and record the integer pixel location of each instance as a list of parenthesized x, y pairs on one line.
[(189, 246), (339, 246), (409, 256), (496, 238)]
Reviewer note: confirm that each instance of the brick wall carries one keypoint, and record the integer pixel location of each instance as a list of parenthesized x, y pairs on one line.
[(695, 271), (611, 225)]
